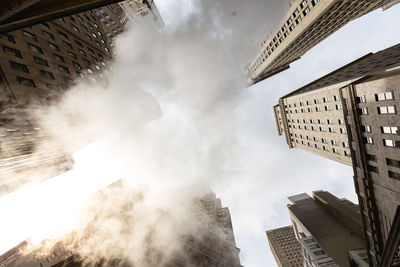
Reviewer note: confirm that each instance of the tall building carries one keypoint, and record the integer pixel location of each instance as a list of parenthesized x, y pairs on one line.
[(38, 64), (326, 227), (351, 116), (143, 13), (306, 23), (209, 242), (285, 247)]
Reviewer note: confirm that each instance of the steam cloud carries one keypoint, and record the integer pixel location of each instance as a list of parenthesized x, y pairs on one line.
[(164, 115)]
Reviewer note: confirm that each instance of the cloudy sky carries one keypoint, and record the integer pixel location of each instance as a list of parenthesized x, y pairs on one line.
[(213, 130), (257, 199)]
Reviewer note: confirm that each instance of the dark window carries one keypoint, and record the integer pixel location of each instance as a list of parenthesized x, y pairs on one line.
[(63, 69), (394, 175), (86, 61), (75, 28), (371, 157), (25, 82), (52, 86), (393, 162), (76, 65), (72, 18), (35, 48), (59, 58), (67, 45), (372, 169), (95, 59), (63, 34), (8, 37), (48, 35), (41, 61), (68, 80), (53, 46), (83, 53), (71, 54), (78, 43), (29, 35), (11, 51), (91, 51), (47, 74), (18, 66), (46, 25)]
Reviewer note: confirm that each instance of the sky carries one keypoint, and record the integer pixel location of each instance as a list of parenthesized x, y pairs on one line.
[(257, 200), (176, 112)]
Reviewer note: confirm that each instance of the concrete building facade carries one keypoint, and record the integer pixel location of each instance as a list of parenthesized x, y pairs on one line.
[(326, 227), (368, 101), (285, 247), (37, 65), (306, 23)]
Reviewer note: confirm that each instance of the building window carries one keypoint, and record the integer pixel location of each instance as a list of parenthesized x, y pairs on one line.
[(322, 129), (68, 80), (53, 46), (63, 34), (41, 61), (336, 97), (347, 153), (75, 28), (340, 121), (334, 142), (317, 109), (390, 130), (80, 74), (289, 21), (29, 35), (78, 43), (384, 96), (8, 37), (372, 169), (71, 54), (394, 175), (331, 129), (343, 130), (324, 141), (393, 162), (386, 110), (18, 66), (370, 157), (339, 107), (391, 143), (46, 25), (314, 2), (26, 82), (329, 121), (52, 87), (87, 62), (48, 35), (313, 246), (366, 128), (67, 45), (345, 144), (319, 252), (325, 148), (295, 13), (76, 65), (361, 99), (327, 108), (363, 111), (35, 48), (59, 58), (83, 53), (90, 70), (306, 11), (63, 69), (47, 74), (368, 140)]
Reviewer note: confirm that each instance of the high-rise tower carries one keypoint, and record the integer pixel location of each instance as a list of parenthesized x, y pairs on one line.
[(351, 116), (306, 23)]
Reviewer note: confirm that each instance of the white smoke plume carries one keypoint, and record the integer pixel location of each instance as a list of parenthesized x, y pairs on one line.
[(162, 116)]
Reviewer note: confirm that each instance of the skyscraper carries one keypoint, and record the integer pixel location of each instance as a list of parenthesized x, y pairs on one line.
[(326, 227), (209, 242), (306, 23), (38, 64), (285, 247), (351, 116)]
